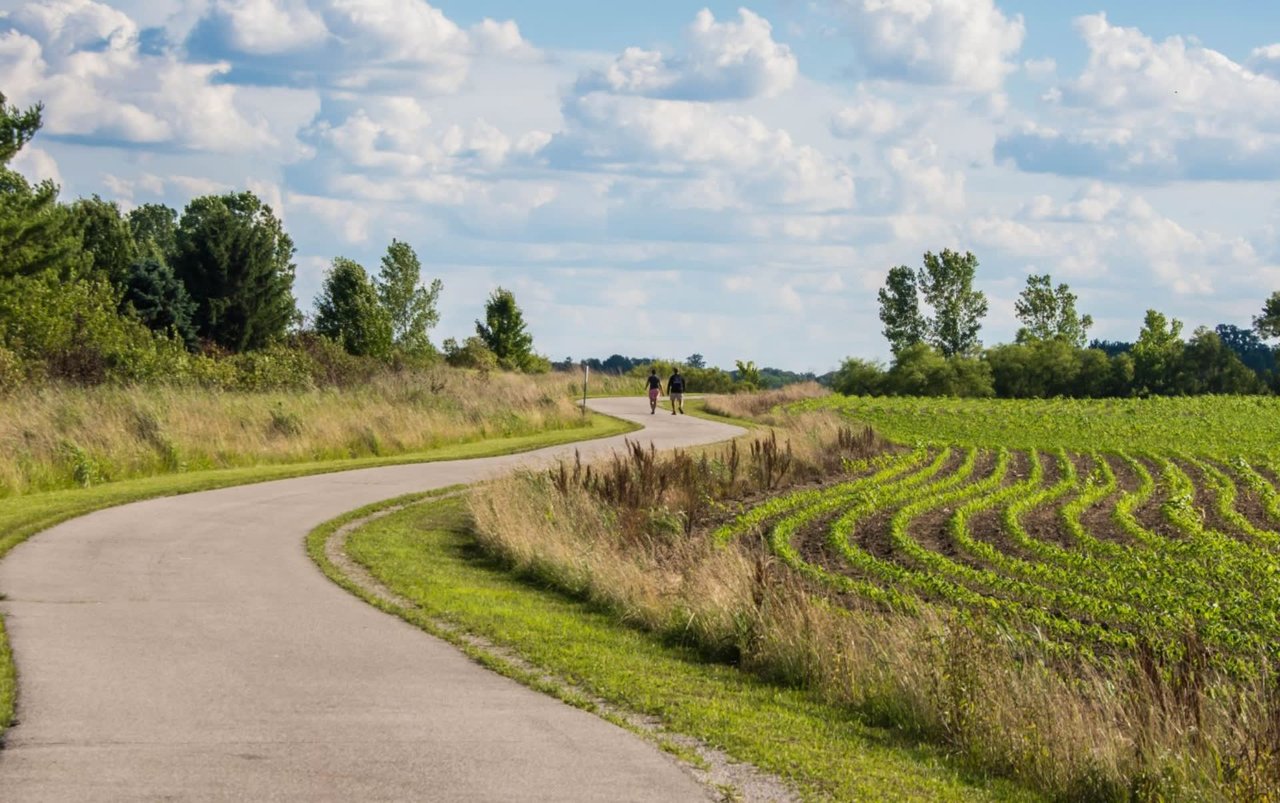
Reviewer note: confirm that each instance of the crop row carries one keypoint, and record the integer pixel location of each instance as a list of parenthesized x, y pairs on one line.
[(1127, 550)]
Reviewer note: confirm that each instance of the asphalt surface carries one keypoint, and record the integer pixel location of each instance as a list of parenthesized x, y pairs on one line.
[(186, 648)]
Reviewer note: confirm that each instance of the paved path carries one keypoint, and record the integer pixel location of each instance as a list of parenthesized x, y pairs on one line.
[(187, 648)]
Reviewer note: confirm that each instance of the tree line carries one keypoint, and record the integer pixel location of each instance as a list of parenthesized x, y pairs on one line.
[(89, 293), (932, 319)]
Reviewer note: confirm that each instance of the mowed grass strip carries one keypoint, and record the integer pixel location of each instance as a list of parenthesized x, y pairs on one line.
[(425, 554), (24, 516)]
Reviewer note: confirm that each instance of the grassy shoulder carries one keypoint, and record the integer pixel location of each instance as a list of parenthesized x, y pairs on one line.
[(425, 553), (23, 516)]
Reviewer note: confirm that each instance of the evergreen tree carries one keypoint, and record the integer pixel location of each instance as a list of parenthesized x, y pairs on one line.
[(348, 311), (503, 331), (235, 259), (1050, 314), (106, 236), (35, 231), (946, 282), (904, 326), (410, 306), (159, 300)]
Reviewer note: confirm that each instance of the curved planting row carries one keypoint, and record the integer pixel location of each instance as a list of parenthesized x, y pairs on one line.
[(1080, 553)]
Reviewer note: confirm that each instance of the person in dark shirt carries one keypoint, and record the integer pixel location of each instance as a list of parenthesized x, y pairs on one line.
[(655, 390), (675, 391)]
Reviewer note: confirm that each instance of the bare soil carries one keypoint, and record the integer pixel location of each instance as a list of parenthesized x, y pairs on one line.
[(1099, 519), (1150, 515), (1045, 522), (931, 529)]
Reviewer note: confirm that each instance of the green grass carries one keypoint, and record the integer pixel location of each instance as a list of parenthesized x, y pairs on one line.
[(24, 516), (425, 554)]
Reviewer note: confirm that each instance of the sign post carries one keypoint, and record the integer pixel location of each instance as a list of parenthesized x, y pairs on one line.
[(586, 375)]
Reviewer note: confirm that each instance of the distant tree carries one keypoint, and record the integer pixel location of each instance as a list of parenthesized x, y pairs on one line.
[(1268, 322), (503, 331), (904, 326), (106, 236), (857, 377), (1111, 347), (155, 231), (748, 375), (159, 299), (1157, 355), (695, 360), (1209, 366), (946, 282), (922, 370), (348, 312), (236, 261), (36, 234), (1049, 313), (473, 353), (410, 305), (1255, 354)]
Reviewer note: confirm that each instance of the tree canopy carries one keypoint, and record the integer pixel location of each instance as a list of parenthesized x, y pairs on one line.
[(348, 311), (503, 331), (410, 306), (1049, 313), (236, 260)]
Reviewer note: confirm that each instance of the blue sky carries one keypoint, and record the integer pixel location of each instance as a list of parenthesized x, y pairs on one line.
[(667, 178)]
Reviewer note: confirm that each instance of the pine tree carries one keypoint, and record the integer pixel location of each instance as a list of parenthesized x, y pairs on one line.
[(235, 259)]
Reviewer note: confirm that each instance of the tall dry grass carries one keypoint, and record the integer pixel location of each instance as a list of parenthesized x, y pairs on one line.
[(627, 535), (758, 406), (57, 437)]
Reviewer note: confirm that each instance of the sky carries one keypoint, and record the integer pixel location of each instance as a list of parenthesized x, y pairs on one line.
[(665, 178)]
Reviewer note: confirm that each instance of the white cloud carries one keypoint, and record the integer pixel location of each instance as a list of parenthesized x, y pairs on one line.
[(968, 44), (871, 116), (366, 45), (1145, 110), (678, 138), (84, 61), (1266, 60), (722, 61), (267, 26), (36, 165)]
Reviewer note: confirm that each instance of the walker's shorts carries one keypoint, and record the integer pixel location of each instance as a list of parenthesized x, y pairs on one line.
[(653, 394), (676, 399)]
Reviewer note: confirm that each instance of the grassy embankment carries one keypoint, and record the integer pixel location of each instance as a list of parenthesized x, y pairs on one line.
[(582, 652), (103, 447)]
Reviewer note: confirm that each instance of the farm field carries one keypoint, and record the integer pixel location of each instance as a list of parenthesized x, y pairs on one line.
[(1082, 596)]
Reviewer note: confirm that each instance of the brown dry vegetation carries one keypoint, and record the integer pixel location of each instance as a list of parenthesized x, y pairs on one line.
[(57, 437), (633, 536)]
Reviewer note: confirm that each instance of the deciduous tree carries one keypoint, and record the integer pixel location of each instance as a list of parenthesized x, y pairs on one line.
[(1049, 313), (348, 311), (106, 236), (410, 305), (503, 331), (904, 326), (946, 282), (1268, 322)]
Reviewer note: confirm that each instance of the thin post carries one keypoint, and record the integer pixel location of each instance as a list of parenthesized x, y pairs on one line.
[(586, 375)]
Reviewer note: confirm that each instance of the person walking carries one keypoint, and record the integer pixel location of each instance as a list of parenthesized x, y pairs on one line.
[(655, 390), (675, 390)]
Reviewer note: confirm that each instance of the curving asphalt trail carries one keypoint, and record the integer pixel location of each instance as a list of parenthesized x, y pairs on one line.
[(187, 648)]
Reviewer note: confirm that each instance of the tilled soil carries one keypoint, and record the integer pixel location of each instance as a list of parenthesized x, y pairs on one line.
[(1099, 519), (988, 525), (932, 529), (1151, 515), (1045, 522)]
